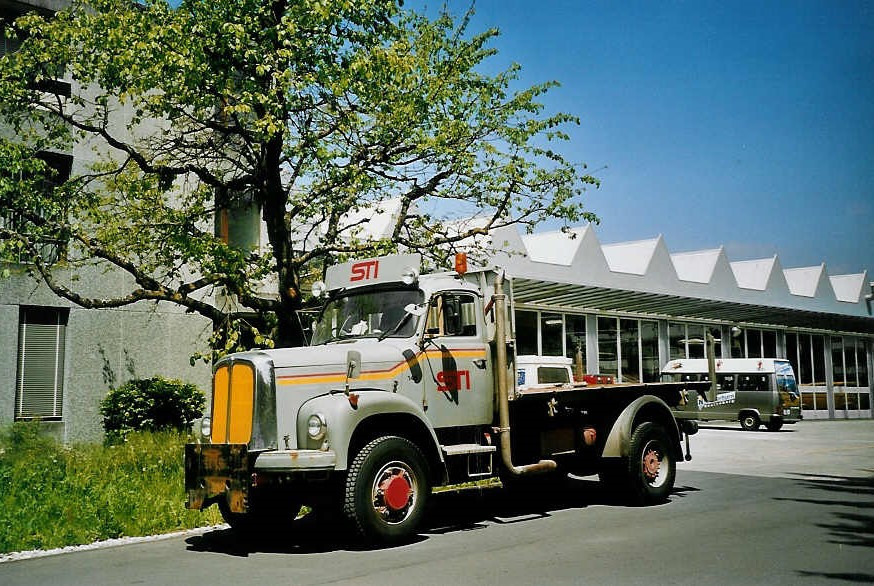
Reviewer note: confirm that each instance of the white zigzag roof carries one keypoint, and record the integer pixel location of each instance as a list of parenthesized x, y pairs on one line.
[(575, 271)]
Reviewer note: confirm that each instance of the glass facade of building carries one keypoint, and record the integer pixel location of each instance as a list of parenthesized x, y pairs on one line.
[(832, 370)]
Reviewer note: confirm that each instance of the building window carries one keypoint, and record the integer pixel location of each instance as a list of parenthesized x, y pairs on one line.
[(238, 223), (608, 352), (575, 342), (57, 171), (677, 337), (7, 44), (695, 342), (849, 361), (792, 352), (769, 344), (526, 332), (552, 334), (629, 347), (40, 384), (649, 351), (818, 351), (689, 340), (862, 364), (754, 343), (838, 370)]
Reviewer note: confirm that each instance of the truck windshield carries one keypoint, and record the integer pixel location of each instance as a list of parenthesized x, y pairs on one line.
[(368, 314)]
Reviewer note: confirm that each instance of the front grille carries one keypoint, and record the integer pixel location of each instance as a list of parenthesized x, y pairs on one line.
[(233, 399)]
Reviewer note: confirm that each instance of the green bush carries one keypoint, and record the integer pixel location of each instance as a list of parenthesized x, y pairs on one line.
[(152, 404), (53, 495)]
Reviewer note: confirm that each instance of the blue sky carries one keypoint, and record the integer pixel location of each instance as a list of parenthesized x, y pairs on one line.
[(736, 123)]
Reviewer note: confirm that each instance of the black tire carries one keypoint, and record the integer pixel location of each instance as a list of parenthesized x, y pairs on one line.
[(651, 465), (269, 513), (647, 476), (774, 424), (387, 489), (749, 421)]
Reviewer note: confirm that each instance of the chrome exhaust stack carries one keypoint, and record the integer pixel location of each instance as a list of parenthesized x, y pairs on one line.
[(500, 306)]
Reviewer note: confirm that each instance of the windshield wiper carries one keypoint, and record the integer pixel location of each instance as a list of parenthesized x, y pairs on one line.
[(397, 326)]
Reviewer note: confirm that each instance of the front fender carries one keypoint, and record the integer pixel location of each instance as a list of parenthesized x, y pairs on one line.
[(645, 408), (342, 419)]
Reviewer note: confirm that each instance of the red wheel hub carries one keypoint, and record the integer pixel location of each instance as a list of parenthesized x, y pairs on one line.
[(651, 464), (396, 492)]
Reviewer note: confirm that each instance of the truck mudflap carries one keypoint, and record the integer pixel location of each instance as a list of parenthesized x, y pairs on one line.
[(214, 472)]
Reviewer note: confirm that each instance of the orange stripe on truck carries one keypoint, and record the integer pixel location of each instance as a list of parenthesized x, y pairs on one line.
[(373, 375)]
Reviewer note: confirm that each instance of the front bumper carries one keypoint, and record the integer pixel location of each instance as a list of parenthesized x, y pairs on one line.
[(217, 471)]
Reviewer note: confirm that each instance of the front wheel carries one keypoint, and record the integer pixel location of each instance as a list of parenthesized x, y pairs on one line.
[(750, 421), (774, 424), (387, 489)]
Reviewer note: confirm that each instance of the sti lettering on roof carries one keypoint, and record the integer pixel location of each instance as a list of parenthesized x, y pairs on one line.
[(359, 273)]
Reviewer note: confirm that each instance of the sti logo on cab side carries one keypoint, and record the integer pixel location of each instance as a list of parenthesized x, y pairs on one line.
[(449, 381), (362, 271)]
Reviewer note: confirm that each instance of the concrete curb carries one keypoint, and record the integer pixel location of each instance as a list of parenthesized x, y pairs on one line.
[(39, 553)]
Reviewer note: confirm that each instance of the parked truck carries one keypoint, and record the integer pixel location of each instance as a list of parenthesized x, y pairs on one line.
[(409, 384)]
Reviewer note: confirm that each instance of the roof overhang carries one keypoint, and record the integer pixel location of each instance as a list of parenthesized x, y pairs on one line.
[(586, 298)]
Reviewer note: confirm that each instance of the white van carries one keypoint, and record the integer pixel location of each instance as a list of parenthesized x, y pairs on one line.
[(750, 390)]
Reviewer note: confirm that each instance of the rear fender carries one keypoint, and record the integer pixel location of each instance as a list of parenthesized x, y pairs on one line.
[(645, 408)]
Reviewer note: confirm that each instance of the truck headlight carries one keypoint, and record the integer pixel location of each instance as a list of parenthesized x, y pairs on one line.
[(206, 427), (316, 426)]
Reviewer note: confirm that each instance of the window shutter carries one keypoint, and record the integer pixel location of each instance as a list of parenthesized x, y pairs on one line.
[(40, 388)]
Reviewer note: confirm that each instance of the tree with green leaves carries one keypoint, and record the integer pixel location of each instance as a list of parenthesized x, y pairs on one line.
[(319, 113)]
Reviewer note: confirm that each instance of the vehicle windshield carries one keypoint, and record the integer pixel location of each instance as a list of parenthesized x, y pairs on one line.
[(368, 314)]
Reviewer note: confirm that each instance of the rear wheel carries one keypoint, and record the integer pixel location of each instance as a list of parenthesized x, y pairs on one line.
[(750, 421), (387, 489), (647, 476), (651, 467)]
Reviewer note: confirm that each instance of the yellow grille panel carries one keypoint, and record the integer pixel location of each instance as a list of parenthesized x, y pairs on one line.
[(242, 394), (233, 395), (220, 388)]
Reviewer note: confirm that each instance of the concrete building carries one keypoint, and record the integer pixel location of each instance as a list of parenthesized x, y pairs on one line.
[(58, 359)]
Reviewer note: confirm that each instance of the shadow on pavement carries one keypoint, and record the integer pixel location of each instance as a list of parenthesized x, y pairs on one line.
[(448, 512), (851, 520)]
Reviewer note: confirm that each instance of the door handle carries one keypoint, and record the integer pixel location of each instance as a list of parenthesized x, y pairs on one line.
[(480, 363)]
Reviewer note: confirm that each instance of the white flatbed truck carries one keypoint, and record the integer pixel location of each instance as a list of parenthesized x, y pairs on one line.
[(409, 385)]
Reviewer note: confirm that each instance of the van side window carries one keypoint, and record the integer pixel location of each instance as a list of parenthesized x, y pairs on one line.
[(724, 383), (752, 382)]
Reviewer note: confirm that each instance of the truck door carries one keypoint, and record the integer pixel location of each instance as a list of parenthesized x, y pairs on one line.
[(458, 365)]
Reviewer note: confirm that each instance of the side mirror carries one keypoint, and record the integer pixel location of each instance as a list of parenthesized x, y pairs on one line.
[(353, 364)]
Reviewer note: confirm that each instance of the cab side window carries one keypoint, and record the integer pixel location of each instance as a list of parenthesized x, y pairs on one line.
[(452, 314)]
